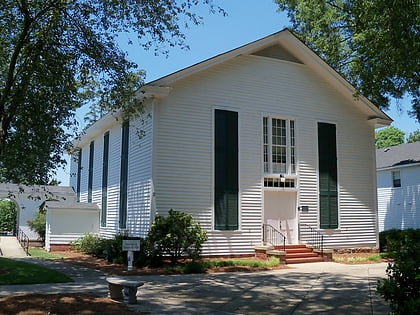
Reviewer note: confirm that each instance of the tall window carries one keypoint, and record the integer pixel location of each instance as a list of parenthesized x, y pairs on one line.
[(105, 159), (279, 146), (226, 170), (79, 174), (328, 188), (396, 179), (90, 174), (124, 175)]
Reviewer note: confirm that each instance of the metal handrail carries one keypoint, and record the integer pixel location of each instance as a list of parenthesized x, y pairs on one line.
[(273, 236), (23, 240), (316, 239)]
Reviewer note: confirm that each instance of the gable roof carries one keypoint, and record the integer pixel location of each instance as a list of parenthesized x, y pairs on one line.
[(281, 45), (286, 46), (403, 154)]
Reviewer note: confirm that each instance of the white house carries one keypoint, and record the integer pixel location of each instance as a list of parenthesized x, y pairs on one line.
[(266, 133), (28, 200), (398, 177)]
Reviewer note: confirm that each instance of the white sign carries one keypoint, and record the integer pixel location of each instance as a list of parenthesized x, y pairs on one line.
[(131, 245)]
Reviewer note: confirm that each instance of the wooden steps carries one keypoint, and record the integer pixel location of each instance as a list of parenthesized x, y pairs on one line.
[(298, 254)]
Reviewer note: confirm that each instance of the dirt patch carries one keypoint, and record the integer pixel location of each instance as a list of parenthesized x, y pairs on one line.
[(62, 304), (77, 258)]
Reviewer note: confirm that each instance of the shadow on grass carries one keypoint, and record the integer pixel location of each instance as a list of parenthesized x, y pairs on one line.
[(18, 272)]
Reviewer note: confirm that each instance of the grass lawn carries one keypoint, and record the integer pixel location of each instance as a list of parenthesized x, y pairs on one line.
[(43, 254), (18, 272)]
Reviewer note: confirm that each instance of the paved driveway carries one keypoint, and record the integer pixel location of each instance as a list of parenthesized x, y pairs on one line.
[(315, 288)]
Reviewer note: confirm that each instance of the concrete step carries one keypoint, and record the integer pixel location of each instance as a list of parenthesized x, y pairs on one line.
[(301, 255)]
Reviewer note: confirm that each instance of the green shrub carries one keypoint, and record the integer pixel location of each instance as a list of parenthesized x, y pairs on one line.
[(390, 240), (402, 287), (175, 236), (38, 224), (91, 244), (109, 249)]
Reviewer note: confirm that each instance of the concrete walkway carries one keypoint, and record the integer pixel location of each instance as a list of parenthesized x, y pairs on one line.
[(10, 247), (327, 288)]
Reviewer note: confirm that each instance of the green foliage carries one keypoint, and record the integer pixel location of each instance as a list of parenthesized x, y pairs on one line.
[(388, 137), (373, 44), (56, 56), (38, 224), (176, 235), (402, 287), (8, 215), (414, 136), (19, 272)]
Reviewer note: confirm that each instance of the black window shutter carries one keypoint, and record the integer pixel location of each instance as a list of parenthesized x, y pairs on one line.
[(105, 162), (124, 175), (90, 174), (226, 170), (328, 190), (79, 174)]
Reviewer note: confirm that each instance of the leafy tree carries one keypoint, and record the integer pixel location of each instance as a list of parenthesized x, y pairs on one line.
[(388, 137), (374, 44), (176, 235), (57, 55), (8, 215), (414, 136)]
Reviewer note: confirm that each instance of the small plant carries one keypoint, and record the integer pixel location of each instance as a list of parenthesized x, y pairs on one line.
[(38, 224), (175, 235)]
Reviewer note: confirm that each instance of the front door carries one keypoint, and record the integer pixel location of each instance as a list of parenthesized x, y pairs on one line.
[(280, 212)]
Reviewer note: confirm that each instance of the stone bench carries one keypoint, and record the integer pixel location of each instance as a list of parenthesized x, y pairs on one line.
[(129, 284)]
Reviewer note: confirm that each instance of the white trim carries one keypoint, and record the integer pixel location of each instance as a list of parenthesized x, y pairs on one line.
[(387, 168)]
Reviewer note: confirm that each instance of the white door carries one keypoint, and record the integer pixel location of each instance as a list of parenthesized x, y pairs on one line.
[(280, 212)]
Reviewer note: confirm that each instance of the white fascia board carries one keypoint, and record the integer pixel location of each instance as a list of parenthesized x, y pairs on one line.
[(379, 122)]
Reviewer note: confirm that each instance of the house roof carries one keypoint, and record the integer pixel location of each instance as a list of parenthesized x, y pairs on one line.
[(36, 191), (291, 49), (57, 205), (403, 154)]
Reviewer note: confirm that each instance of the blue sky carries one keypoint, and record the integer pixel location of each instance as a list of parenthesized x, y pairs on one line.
[(247, 21)]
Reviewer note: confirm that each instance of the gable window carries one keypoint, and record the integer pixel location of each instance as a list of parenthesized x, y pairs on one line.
[(328, 191), (279, 146), (396, 179), (124, 175), (105, 162), (226, 170), (79, 174), (90, 171)]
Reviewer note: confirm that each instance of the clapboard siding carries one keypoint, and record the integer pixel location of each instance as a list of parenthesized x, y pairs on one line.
[(139, 196), (254, 87), (398, 208)]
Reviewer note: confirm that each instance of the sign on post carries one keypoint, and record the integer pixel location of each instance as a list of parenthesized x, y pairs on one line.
[(130, 246)]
